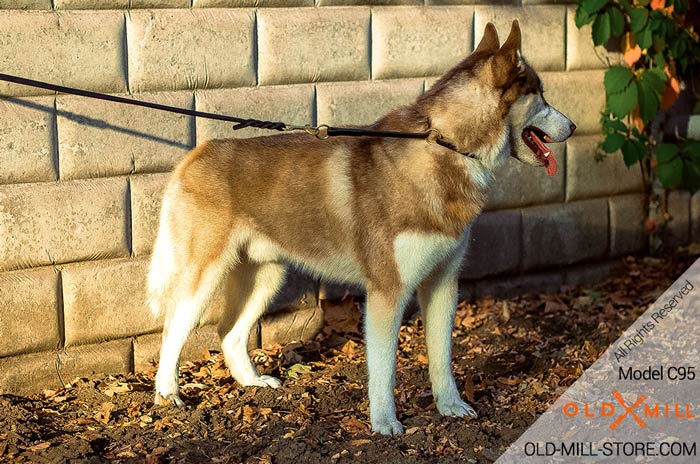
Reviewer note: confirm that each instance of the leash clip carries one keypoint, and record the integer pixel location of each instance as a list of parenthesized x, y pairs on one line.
[(320, 132), (433, 135)]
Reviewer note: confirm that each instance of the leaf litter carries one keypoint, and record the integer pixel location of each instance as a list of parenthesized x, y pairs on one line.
[(512, 358)]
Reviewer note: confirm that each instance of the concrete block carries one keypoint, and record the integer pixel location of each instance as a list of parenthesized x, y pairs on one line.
[(41, 224), (428, 83), (146, 197), (29, 309), (29, 373), (309, 45), (543, 31), (677, 231), (100, 139), (471, 2), (190, 49), (287, 326), (366, 2), (300, 291), (104, 300), (542, 2), (25, 4), (579, 95), (160, 4), (91, 4), (495, 244), (82, 49), (580, 51), (519, 184), (564, 233), (292, 104), (417, 41), (589, 274), (627, 224), (27, 149), (508, 287), (112, 357), (587, 178), (336, 292), (147, 347), (362, 103), (250, 3)]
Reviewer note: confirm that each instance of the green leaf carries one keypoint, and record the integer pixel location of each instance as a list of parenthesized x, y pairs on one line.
[(632, 152), (671, 173), (582, 17), (297, 370), (614, 125), (659, 43), (644, 38), (613, 142), (617, 22), (691, 176), (648, 100), (692, 149), (638, 19), (622, 103), (655, 80), (593, 6), (659, 59), (617, 78), (601, 29), (665, 152)]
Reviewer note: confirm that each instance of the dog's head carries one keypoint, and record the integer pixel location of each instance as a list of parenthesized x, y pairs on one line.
[(499, 99)]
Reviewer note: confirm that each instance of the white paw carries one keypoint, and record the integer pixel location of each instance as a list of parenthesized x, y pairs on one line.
[(453, 406), (169, 399), (264, 381), (387, 427)]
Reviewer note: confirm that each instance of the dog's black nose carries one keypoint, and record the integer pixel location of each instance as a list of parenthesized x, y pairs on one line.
[(572, 126)]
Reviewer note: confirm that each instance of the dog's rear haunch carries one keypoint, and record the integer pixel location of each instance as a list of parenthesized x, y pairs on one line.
[(390, 215)]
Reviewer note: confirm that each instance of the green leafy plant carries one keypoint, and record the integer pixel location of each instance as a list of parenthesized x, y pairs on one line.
[(659, 42)]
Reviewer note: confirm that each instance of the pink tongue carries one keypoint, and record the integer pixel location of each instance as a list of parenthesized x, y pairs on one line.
[(542, 150)]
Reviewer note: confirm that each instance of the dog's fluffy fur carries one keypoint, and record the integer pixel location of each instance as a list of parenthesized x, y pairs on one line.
[(391, 215)]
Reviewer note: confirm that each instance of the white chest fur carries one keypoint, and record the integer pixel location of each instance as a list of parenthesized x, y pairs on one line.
[(417, 255)]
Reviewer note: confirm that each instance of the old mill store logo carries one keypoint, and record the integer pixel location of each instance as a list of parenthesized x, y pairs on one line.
[(639, 411)]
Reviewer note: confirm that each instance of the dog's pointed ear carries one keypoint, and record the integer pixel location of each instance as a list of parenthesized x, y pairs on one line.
[(508, 61), (513, 42), (489, 42)]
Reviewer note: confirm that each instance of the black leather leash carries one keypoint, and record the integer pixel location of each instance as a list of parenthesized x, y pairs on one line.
[(322, 132)]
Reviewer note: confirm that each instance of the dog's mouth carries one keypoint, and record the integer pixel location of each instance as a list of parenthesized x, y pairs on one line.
[(535, 138)]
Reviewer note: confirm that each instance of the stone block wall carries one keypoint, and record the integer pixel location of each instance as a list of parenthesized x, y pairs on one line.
[(80, 180)]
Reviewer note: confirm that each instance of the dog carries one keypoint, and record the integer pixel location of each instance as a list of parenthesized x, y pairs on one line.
[(390, 215)]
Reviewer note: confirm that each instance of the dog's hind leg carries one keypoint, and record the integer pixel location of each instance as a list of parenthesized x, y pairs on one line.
[(382, 322), (252, 288), (437, 297), (189, 303)]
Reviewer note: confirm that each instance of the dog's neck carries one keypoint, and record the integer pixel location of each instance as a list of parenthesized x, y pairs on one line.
[(489, 146)]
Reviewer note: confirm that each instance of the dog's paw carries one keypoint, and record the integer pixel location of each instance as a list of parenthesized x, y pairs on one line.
[(264, 381), (455, 407), (387, 427), (167, 400)]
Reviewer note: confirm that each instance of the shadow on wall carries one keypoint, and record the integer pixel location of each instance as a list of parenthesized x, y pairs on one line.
[(93, 122)]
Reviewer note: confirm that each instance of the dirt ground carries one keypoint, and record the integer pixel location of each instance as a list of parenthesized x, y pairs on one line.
[(512, 359)]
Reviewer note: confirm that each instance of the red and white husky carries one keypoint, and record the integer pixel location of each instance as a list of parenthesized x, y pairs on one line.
[(391, 215)]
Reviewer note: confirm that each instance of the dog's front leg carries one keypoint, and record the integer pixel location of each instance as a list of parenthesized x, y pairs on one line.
[(382, 321), (437, 297)]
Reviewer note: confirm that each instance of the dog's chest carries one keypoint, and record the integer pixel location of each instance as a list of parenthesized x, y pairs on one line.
[(417, 254)]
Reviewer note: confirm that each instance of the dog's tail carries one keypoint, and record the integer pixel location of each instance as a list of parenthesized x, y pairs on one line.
[(162, 268)]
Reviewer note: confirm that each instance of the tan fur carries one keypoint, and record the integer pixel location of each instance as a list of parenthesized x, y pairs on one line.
[(358, 210)]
